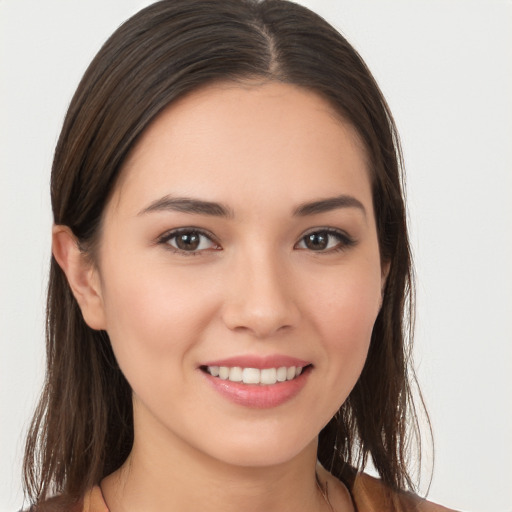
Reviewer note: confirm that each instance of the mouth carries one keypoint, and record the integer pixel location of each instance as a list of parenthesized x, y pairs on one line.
[(255, 376), (256, 381)]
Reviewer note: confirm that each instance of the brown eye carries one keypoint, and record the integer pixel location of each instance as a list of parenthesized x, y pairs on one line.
[(188, 241), (317, 241), (325, 240)]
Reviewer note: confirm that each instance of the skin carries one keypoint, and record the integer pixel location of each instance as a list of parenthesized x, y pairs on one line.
[(254, 287)]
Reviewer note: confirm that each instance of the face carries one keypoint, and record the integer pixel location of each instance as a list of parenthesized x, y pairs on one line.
[(239, 271)]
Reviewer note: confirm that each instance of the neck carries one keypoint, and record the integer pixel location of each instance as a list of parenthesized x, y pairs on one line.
[(169, 476)]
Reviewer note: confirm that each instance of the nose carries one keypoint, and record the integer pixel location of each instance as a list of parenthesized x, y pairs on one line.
[(260, 299)]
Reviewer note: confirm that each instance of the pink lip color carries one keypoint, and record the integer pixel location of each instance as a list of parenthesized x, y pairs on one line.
[(259, 396), (260, 362)]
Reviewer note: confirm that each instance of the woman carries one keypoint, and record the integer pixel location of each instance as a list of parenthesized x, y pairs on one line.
[(231, 269)]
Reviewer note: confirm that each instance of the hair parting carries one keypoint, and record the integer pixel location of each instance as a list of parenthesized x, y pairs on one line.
[(83, 426)]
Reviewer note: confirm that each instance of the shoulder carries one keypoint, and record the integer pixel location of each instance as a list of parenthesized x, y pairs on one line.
[(371, 495)]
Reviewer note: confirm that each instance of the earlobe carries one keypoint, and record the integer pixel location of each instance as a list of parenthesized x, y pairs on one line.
[(81, 274)]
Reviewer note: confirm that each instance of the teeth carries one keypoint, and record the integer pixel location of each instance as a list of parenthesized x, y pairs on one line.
[(251, 376), (281, 374), (268, 376), (265, 377), (235, 374)]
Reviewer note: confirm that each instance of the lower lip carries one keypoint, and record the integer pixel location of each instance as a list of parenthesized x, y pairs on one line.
[(259, 396)]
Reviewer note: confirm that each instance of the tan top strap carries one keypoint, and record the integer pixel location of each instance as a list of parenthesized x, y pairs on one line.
[(369, 495)]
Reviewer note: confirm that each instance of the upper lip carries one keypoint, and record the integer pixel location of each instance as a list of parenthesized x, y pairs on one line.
[(260, 362)]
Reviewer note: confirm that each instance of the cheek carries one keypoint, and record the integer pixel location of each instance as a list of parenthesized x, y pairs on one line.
[(355, 308), (342, 312), (348, 302), (154, 316), (345, 309)]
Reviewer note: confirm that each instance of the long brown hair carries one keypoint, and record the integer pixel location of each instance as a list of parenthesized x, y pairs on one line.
[(83, 427)]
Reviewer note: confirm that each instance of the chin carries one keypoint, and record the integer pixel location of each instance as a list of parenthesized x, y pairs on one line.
[(264, 452)]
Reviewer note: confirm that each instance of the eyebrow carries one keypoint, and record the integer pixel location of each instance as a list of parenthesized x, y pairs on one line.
[(200, 207), (328, 204), (188, 205)]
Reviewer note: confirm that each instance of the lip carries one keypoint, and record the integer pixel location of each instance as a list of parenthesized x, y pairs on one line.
[(259, 362), (258, 396)]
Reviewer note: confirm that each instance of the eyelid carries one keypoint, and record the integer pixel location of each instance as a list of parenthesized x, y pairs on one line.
[(346, 240), (164, 238)]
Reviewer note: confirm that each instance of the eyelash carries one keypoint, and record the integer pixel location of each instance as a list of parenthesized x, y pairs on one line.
[(170, 235), (344, 240)]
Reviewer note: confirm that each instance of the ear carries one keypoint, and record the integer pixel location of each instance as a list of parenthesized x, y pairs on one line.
[(82, 276)]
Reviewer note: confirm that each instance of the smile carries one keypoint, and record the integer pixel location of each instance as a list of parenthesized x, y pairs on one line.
[(264, 377)]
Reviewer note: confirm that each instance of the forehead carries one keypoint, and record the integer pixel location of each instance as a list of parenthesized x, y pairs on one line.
[(233, 141)]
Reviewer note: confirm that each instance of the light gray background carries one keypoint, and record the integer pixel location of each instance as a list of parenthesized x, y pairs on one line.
[(445, 67)]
